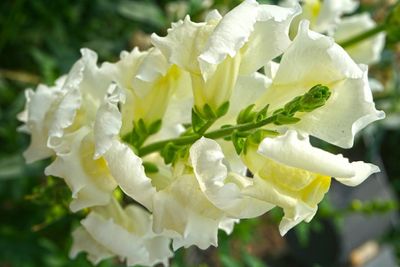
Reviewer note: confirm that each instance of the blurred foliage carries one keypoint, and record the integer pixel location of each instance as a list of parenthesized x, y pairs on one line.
[(40, 40)]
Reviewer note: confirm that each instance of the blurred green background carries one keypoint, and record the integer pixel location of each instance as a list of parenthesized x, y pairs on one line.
[(40, 40)]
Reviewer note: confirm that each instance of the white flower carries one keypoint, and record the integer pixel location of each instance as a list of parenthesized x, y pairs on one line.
[(148, 82), (323, 15), (222, 187), (368, 51), (126, 233), (315, 59), (84, 90), (90, 180), (290, 173), (37, 116), (216, 51)]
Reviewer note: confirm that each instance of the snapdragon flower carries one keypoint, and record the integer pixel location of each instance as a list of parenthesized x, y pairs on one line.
[(176, 126), (215, 52), (295, 176), (314, 59), (124, 232), (328, 17)]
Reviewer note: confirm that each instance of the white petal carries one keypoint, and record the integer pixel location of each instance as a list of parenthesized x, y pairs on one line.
[(126, 237), (222, 190), (269, 38), (315, 59), (331, 12), (107, 124), (89, 180), (39, 108), (82, 241), (263, 28), (183, 43), (368, 51), (296, 151), (183, 210), (295, 209), (354, 109), (128, 172), (363, 171), (228, 224)]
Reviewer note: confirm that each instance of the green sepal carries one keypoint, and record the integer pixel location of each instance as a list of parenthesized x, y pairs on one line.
[(223, 109), (168, 153), (208, 112), (150, 167), (154, 127), (238, 142), (246, 115), (172, 152), (197, 121), (262, 114), (282, 119), (141, 128), (260, 135)]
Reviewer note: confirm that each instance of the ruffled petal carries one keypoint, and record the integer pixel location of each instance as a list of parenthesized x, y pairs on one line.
[(89, 180), (39, 109), (82, 241), (128, 172), (108, 123), (351, 98), (221, 188), (131, 228), (183, 211)]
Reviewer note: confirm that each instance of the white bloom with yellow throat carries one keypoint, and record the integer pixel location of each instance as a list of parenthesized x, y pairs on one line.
[(215, 52), (292, 174), (314, 59)]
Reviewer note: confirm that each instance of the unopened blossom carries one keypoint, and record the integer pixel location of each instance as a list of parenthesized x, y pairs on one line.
[(215, 52), (111, 230), (314, 59), (292, 174)]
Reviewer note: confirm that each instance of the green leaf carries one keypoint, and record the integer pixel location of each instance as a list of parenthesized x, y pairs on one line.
[(223, 109)]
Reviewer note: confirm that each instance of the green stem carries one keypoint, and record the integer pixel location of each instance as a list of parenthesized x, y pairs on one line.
[(220, 133), (362, 36)]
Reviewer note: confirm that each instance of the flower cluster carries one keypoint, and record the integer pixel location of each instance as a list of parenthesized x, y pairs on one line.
[(177, 127)]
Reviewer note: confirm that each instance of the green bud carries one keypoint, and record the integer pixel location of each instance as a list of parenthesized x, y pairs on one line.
[(316, 97), (246, 115)]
